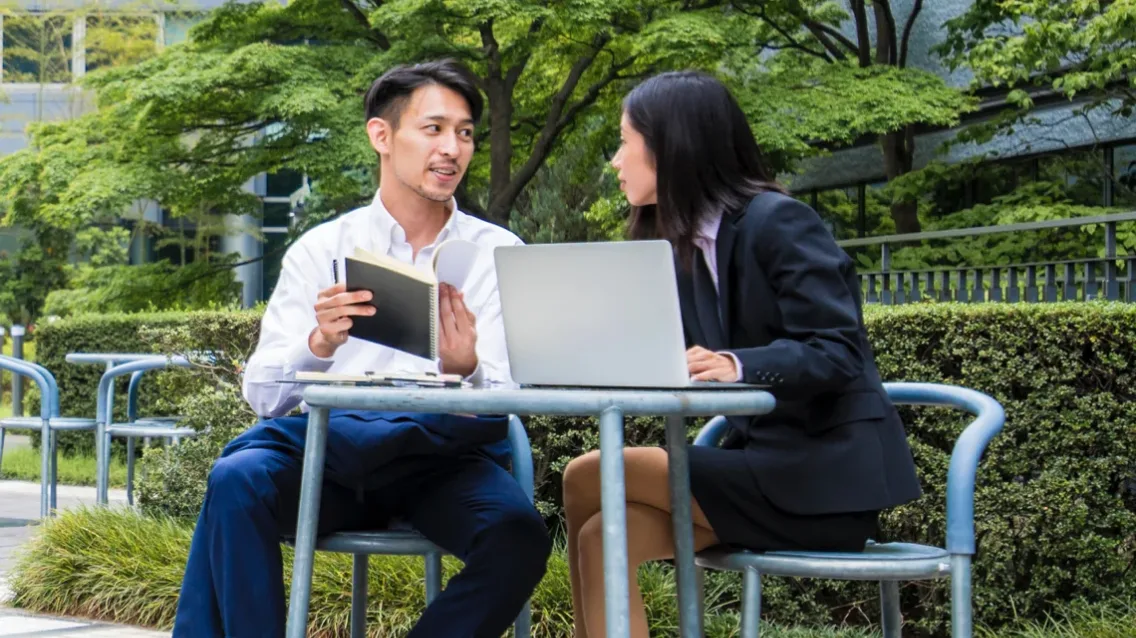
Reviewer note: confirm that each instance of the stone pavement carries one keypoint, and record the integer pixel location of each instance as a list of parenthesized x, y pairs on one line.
[(19, 513), (14, 624)]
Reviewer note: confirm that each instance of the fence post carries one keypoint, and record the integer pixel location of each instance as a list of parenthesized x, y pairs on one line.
[(17, 380), (1111, 277), (885, 268), (3, 333)]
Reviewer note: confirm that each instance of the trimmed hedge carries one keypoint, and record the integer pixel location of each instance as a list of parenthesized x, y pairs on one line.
[(1056, 495), (166, 332)]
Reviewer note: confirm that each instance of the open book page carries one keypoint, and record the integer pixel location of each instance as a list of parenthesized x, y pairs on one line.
[(390, 263), (453, 261)]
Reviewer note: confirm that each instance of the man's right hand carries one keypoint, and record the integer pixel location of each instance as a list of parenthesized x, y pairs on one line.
[(334, 309)]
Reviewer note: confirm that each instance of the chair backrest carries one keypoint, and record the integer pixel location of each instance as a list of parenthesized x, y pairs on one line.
[(522, 455), (41, 376), (104, 401), (968, 449)]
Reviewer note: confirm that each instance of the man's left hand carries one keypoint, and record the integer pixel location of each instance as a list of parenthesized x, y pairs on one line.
[(705, 365), (458, 344)]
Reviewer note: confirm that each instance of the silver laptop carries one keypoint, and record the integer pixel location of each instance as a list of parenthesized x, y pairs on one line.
[(602, 314)]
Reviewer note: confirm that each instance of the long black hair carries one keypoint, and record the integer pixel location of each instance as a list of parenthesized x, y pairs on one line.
[(706, 158)]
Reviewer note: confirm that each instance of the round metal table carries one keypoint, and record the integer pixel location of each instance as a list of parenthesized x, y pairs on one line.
[(609, 404)]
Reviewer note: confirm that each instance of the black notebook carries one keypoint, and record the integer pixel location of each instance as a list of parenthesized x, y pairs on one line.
[(405, 298)]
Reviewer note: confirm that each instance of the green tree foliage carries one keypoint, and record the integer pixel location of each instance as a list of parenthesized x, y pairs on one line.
[(1082, 50), (822, 86)]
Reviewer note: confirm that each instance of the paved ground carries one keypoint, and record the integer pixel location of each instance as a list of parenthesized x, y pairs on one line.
[(19, 511)]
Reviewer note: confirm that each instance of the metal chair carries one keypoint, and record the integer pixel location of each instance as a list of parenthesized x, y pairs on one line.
[(48, 423), (887, 563), (403, 541), (134, 427), (165, 427)]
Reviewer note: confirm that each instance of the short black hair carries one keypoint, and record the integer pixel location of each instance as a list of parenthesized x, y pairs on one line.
[(706, 158), (388, 95)]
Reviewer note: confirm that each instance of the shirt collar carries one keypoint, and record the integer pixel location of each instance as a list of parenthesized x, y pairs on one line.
[(388, 229), (707, 229)]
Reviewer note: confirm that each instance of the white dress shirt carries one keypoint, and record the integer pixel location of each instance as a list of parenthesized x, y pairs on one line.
[(706, 240), (307, 269)]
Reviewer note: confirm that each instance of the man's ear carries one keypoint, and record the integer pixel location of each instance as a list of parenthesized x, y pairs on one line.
[(380, 132)]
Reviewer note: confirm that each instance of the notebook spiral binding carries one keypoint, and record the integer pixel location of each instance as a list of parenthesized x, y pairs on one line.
[(434, 324)]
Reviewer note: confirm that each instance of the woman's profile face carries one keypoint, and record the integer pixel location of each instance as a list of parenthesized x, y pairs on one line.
[(635, 166)]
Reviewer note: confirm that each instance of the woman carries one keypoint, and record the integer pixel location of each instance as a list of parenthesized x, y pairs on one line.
[(767, 298)]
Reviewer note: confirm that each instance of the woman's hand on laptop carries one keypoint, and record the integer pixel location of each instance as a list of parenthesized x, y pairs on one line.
[(705, 365), (334, 309), (458, 344)]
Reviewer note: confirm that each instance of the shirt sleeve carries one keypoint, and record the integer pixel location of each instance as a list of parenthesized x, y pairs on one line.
[(283, 346), (485, 302)]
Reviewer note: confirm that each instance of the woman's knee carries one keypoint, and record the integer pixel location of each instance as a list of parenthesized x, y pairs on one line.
[(581, 478), (589, 539)]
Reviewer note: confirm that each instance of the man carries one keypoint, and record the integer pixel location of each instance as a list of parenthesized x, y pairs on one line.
[(443, 474)]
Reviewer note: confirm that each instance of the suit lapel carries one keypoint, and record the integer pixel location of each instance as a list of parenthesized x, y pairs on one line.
[(706, 303), (724, 252), (688, 305)]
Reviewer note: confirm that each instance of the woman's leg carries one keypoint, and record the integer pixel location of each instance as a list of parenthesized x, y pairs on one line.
[(649, 531)]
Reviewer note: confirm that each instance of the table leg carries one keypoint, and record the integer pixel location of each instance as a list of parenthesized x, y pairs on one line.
[(307, 522), (102, 456), (689, 604), (613, 501)]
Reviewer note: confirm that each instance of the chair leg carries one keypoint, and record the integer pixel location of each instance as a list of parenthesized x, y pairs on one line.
[(130, 470), (54, 442), (359, 596), (45, 470), (890, 618), (522, 626), (433, 576), (751, 603), (103, 467), (961, 626)]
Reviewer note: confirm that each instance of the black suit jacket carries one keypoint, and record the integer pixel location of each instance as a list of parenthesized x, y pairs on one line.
[(789, 304)]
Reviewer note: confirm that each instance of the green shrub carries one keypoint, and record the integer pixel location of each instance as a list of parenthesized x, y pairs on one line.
[(172, 481), (115, 565), (234, 333), (1055, 505), (1056, 495)]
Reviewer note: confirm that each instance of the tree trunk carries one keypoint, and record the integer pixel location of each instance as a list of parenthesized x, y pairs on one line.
[(899, 152), (500, 145), (466, 202)]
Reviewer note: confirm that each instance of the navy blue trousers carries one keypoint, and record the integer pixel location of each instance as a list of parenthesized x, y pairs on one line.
[(442, 474)]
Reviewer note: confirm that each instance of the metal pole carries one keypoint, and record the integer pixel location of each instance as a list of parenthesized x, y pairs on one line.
[(961, 626), (307, 522), (689, 605), (3, 333), (17, 379), (613, 508)]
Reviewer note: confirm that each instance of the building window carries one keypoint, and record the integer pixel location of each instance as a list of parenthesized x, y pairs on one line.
[(278, 212), (1080, 173), (37, 48), (1124, 171), (114, 40)]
